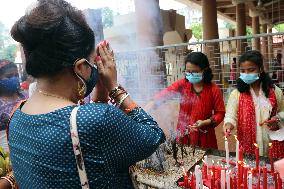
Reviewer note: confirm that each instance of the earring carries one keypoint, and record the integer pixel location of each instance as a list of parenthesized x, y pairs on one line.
[(81, 93)]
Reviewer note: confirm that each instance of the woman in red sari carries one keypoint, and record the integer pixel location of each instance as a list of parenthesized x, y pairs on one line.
[(255, 101), (201, 103)]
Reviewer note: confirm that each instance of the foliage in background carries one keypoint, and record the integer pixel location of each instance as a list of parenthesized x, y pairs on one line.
[(279, 27), (7, 48), (197, 30), (8, 52), (107, 16), (228, 25)]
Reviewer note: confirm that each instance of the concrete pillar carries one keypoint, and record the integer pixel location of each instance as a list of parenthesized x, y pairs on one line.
[(255, 30), (210, 31), (241, 26), (264, 47), (149, 23)]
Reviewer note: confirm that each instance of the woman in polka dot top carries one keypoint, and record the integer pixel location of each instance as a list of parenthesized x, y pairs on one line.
[(60, 54)]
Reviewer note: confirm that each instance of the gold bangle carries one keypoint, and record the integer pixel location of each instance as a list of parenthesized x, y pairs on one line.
[(122, 100), (113, 92)]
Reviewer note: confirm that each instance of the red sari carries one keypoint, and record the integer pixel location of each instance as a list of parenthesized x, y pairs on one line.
[(193, 107), (247, 124)]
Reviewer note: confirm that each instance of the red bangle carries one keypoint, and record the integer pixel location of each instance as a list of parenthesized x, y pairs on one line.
[(131, 107)]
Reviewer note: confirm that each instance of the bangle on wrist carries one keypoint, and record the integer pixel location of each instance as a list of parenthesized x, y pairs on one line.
[(114, 91), (122, 100), (119, 93), (131, 107)]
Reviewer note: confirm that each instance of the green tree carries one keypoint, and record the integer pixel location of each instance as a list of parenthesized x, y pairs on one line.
[(197, 30), (2, 35), (8, 52), (249, 31), (228, 25), (279, 27), (7, 48), (107, 16)]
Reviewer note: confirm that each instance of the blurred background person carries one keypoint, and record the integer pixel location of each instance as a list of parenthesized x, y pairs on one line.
[(10, 95)]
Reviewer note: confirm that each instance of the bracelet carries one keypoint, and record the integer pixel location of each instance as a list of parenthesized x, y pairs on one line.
[(122, 100), (10, 182), (131, 107), (115, 90), (119, 93)]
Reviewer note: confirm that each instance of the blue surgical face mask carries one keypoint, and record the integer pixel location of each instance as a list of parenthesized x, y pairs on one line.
[(249, 78), (92, 81), (10, 85), (194, 77)]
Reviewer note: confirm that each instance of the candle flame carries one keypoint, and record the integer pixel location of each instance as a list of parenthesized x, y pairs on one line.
[(211, 173), (236, 137), (270, 144), (213, 162), (256, 145)]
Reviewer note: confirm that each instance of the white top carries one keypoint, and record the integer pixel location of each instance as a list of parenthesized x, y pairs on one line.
[(263, 109)]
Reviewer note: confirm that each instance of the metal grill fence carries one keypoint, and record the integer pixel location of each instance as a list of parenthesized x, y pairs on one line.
[(144, 72)]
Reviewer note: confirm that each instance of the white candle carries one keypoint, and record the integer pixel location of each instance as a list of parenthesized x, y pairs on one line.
[(250, 181), (197, 176), (237, 149), (223, 179), (201, 180), (228, 180), (227, 152), (206, 162)]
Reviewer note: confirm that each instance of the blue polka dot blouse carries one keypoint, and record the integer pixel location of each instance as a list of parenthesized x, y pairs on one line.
[(41, 148)]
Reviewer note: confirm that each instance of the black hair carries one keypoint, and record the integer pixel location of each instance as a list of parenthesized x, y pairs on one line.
[(201, 60), (234, 59), (8, 66), (53, 35), (255, 57)]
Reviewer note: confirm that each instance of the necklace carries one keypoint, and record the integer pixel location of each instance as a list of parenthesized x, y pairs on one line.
[(54, 96)]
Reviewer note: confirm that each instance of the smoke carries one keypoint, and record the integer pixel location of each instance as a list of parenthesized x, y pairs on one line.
[(142, 68)]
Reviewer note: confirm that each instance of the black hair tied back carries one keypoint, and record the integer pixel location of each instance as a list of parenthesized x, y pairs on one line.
[(53, 35)]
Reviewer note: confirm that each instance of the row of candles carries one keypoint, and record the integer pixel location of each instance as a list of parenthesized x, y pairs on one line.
[(223, 178)]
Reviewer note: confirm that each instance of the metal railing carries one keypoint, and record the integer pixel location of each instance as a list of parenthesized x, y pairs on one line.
[(146, 71)]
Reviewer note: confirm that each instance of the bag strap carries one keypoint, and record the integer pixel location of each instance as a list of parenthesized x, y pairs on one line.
[(77, 150)]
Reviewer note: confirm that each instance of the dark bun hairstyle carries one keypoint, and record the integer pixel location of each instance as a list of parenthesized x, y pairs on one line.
[(53, 35)]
